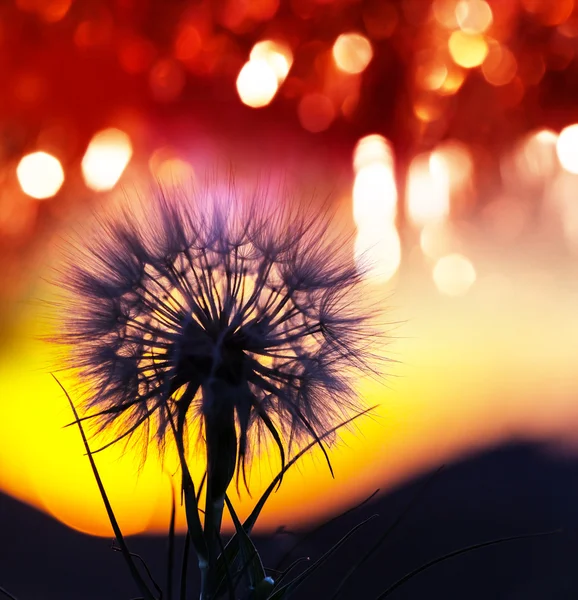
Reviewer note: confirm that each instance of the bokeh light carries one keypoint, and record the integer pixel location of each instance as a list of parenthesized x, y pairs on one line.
[(500, 65), (444, 12), (535, 157), (428, 194), (567, 148), (188, 43), (40, 175), (431, 75), (352, 52), (277, 55), (457, 160), (473, 95), (454, 275), (106, 158), (371, 149), (374, 194), (467, 50), (473, 16), (257, 83), (169, 168), (377, 251)]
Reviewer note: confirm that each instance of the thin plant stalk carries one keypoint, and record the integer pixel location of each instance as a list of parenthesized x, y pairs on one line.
[(445, 557), (144, 589), (387, 532), (171, 545), (7, 594)]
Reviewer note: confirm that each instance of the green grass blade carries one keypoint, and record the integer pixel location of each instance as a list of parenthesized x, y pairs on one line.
[(144, 589), (445, 557)]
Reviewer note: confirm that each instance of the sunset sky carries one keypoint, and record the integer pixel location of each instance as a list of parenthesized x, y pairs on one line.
[(445, 132)]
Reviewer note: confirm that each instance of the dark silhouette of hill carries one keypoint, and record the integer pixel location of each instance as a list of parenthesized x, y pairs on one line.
[(509, 491)]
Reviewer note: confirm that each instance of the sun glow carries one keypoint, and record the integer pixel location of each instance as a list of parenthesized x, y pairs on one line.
[(421, 420)]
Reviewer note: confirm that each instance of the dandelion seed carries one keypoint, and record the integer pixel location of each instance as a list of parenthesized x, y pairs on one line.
[(218, 309)]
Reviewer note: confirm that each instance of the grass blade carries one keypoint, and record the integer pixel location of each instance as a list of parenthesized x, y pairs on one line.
[(144, 589), (323, 525), (185, 567), (247, 549), (419, 494), (7, 594), (283, 592), (232, 547), (445, 557), (171, 545)]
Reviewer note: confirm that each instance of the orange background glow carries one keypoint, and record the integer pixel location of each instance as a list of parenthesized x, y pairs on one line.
[(445, 132)]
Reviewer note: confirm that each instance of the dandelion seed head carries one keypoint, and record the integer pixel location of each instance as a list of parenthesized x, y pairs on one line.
[(210, 305)]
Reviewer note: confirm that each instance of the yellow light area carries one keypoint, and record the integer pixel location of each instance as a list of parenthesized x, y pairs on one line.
[(106, 158), (377, 250), (500, 65), (352, 52), (374, 195), (257, 83), (278, 56), (316, 112), (467, 50), (464, 383), (453, 81), (40, 175), (454, 275), (48, 467), (567, 148), (428, 193), (371, 149), (473, 16)]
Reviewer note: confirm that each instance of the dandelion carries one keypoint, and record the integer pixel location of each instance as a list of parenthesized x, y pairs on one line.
[(236, 313)]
